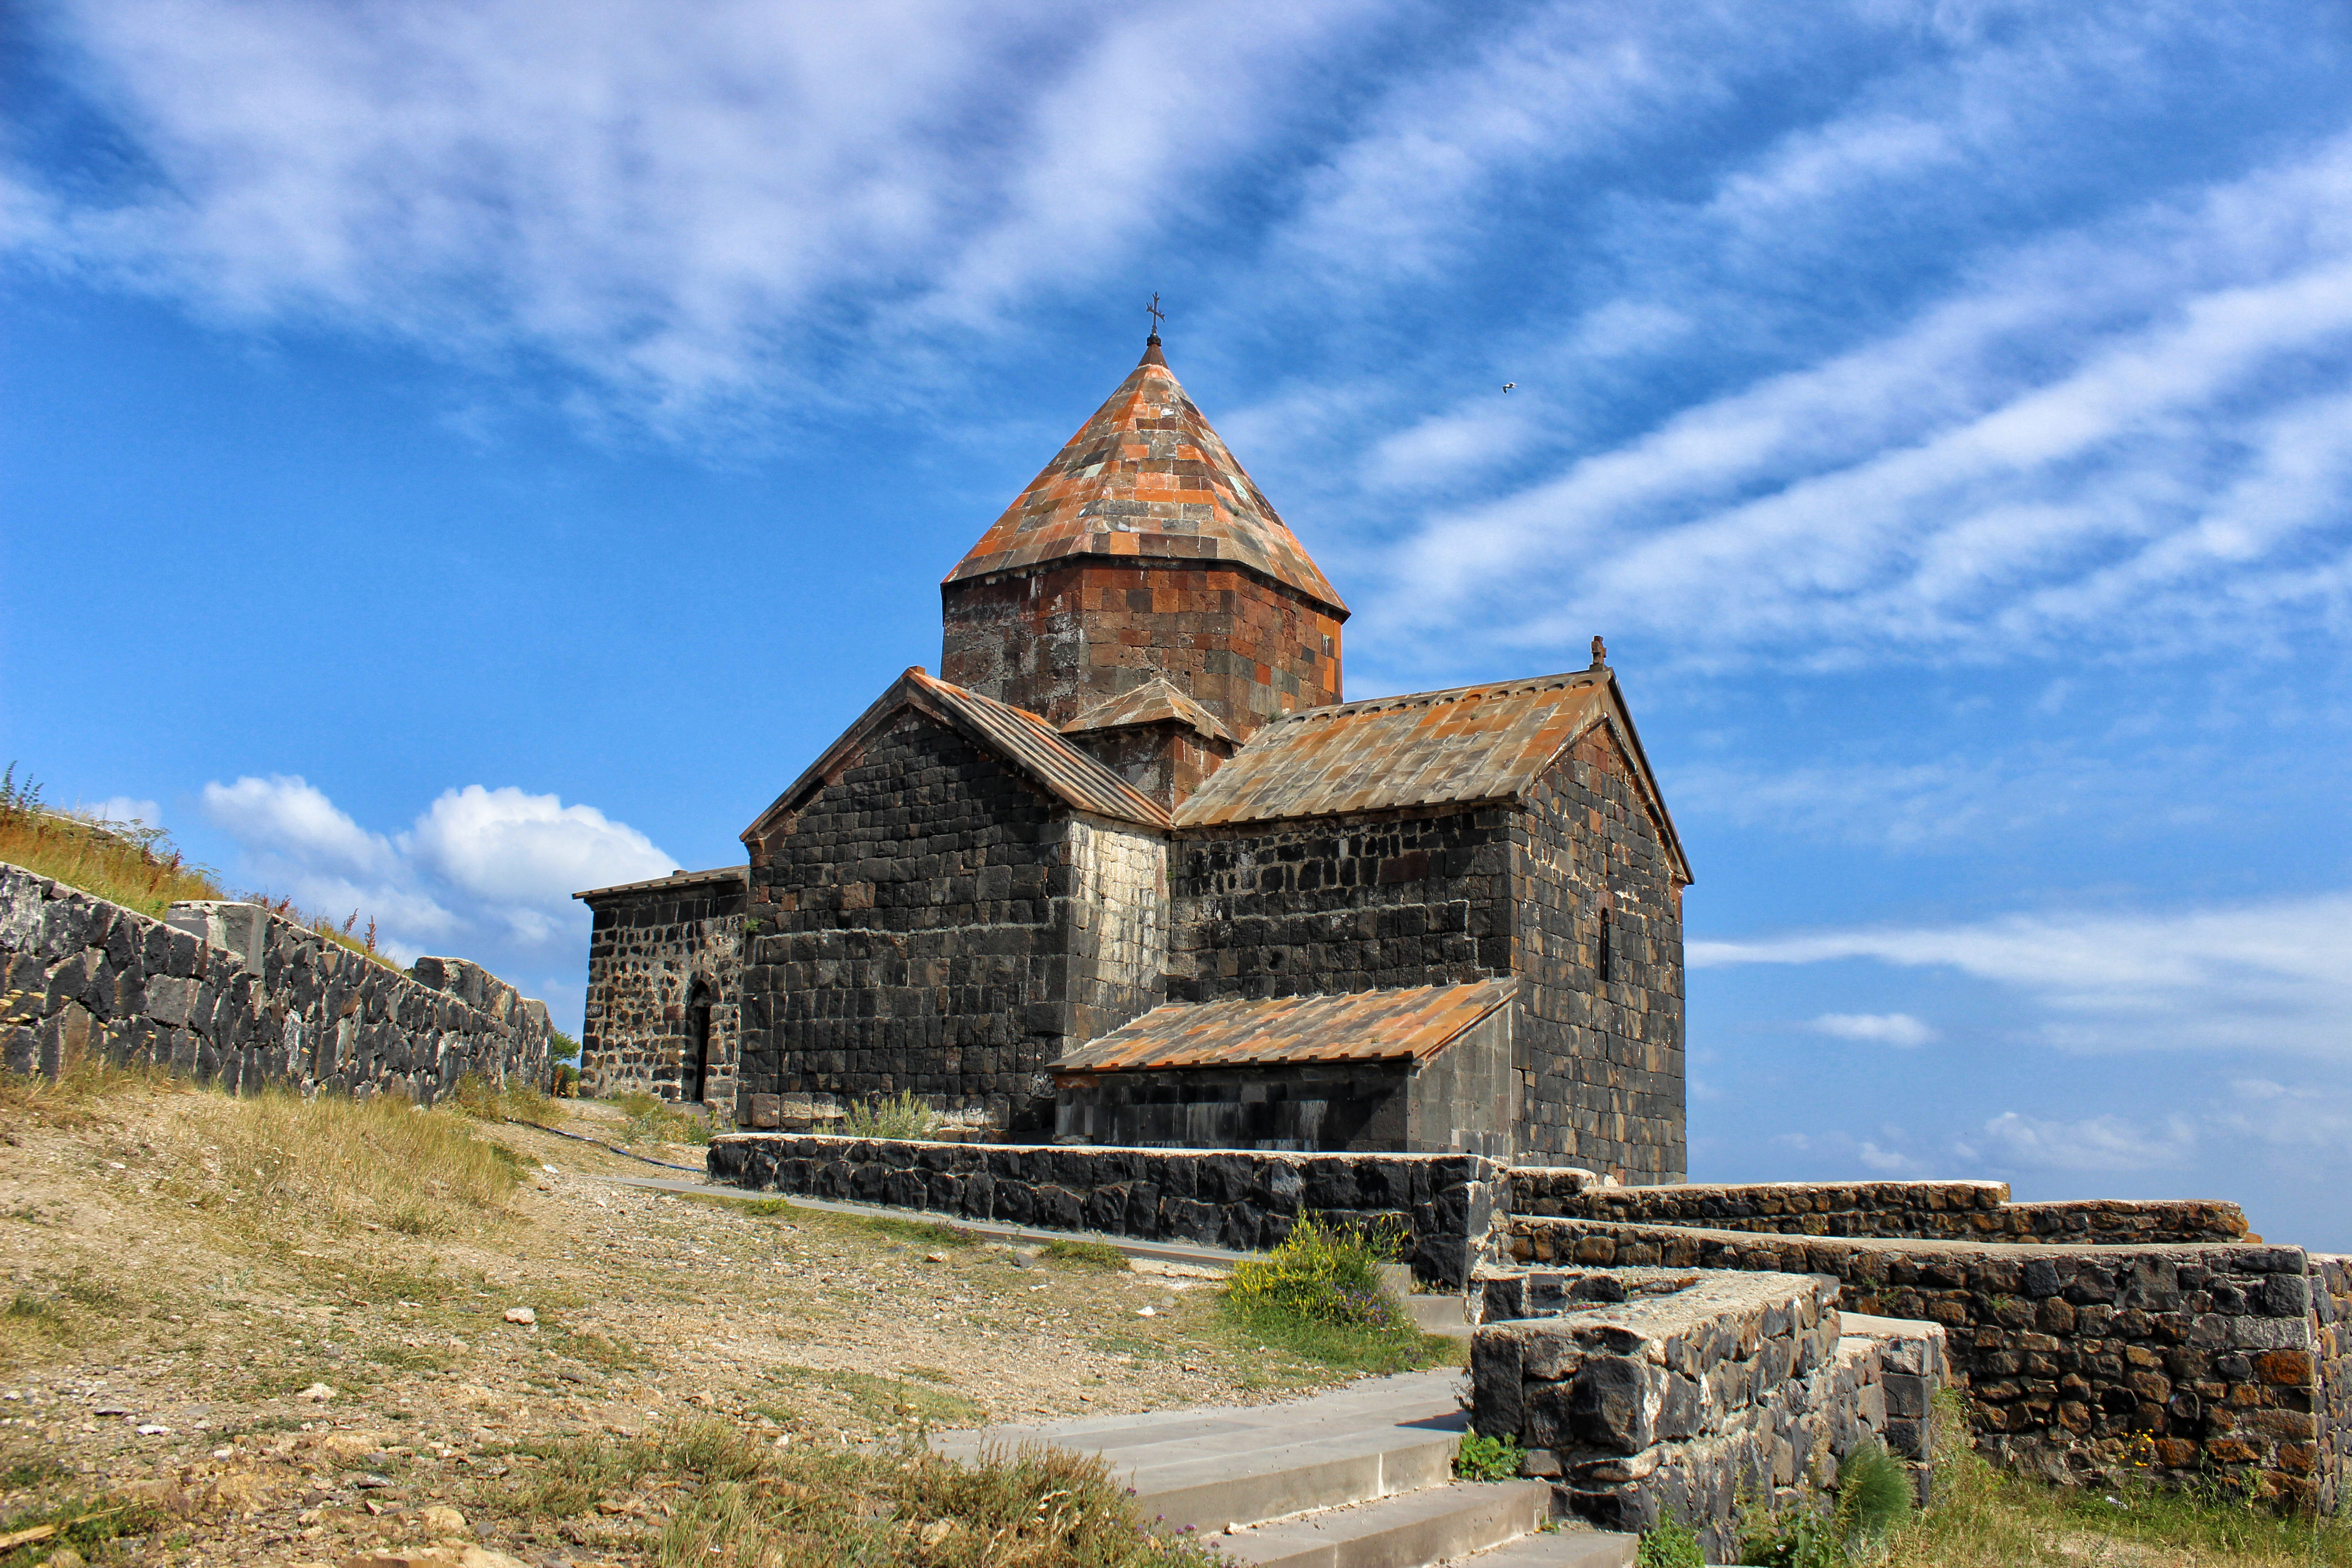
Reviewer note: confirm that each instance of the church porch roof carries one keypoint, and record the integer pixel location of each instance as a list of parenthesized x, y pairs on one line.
[(1410, 1023), (1019, 737), (1149, 703)]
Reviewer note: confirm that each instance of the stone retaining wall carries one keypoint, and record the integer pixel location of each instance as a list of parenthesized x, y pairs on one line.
[(2181, 1362), (1646, 1395), (1237, 1199), (230, 993), (1942, 1211)]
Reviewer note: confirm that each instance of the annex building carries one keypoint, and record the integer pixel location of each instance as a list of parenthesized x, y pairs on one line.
[(1130, 870)]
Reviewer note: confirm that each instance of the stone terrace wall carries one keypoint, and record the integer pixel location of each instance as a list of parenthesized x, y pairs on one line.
[(1940, 1211), (230, 993), (2331, 1278), (1236, 1199), (2199, 1362), (1647, 1394)]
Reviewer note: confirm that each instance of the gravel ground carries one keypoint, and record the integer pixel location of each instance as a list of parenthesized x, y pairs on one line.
[(278, 1393)]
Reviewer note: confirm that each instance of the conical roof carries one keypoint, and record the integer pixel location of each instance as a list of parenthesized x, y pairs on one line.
[(1147, 479)]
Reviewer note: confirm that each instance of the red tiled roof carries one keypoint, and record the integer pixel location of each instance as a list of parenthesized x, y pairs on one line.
[(1431, 748), (1149, 703), (1410, 1023), (1147, 479), (1019, 737)]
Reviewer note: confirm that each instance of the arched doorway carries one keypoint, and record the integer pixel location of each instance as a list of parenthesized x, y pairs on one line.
[(695, 1069)]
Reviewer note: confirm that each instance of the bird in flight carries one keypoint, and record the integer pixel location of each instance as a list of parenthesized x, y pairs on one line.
[(1509, 385)]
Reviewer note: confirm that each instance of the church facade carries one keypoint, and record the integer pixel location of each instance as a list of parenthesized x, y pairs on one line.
[(1131, 870)]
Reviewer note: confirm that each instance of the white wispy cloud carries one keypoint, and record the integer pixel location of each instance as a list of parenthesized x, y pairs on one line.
[(1876, 1028), (2111, 1144), (2107, 434), (682, 205), (2272, 977), (494, 865)]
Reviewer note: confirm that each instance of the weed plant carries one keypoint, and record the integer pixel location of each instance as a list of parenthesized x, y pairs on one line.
[(1670, 1545), (1087, 1253), (904, 1115), (1487, 1458), (1317, 1296)]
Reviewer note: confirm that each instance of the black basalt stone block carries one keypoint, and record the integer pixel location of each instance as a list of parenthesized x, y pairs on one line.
[(1609, 1408)]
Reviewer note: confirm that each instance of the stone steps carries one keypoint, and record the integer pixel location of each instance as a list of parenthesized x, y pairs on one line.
[(1359, 1477)]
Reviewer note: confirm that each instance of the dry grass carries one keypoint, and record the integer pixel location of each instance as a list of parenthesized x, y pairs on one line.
[(280, 1164), (1986, 1517), (730, 1500)]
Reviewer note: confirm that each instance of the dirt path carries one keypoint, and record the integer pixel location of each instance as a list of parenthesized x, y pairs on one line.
[(288, 1392)]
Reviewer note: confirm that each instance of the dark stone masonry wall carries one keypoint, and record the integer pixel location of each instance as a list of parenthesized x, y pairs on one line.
[(1599, 942), (1239, 1200), (1942, 1211), (905, 934), (2189, 1364), (231, 994), (1059, 640), (1336, 904), (663, 971)]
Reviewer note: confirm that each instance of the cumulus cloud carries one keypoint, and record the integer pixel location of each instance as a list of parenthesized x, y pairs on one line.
[(285, 817), (2271, 977), (1876, 1028), (495, 863), (525, 849)]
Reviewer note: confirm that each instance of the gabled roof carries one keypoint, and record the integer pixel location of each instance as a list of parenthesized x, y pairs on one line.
[(1020, 738), (1431, 748), (1147, 479), (1149, 703), (676, 879), (1411, 1024)]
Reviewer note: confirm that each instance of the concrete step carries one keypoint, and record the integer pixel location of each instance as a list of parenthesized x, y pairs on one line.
[(1438, 1315), (1209, 1469), (1415, 1530), (1574, 1545)]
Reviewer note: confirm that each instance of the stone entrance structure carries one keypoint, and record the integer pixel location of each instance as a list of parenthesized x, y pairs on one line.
[(1132, 870)]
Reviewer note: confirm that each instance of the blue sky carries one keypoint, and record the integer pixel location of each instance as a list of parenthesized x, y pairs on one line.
[(455, 454)]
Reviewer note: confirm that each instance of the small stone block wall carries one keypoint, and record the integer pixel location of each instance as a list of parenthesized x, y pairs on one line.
[(1240, 1200), (2183, 1363), (232, 994), (1943, 1211), (1646, 1395)]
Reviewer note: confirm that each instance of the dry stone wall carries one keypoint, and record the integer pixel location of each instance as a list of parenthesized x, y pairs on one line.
[(230, 993), (2186, 1363), (1941, 1211), (1239, 1200)]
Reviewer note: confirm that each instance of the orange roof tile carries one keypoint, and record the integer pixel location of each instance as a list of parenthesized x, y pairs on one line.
[(1149, 703), (1147, 479), (1411, 1024)]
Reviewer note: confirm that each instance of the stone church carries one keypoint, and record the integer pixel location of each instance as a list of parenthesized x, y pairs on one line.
[(1131, 870)]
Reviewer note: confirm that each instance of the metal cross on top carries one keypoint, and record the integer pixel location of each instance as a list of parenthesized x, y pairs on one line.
[(1156, 314)]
